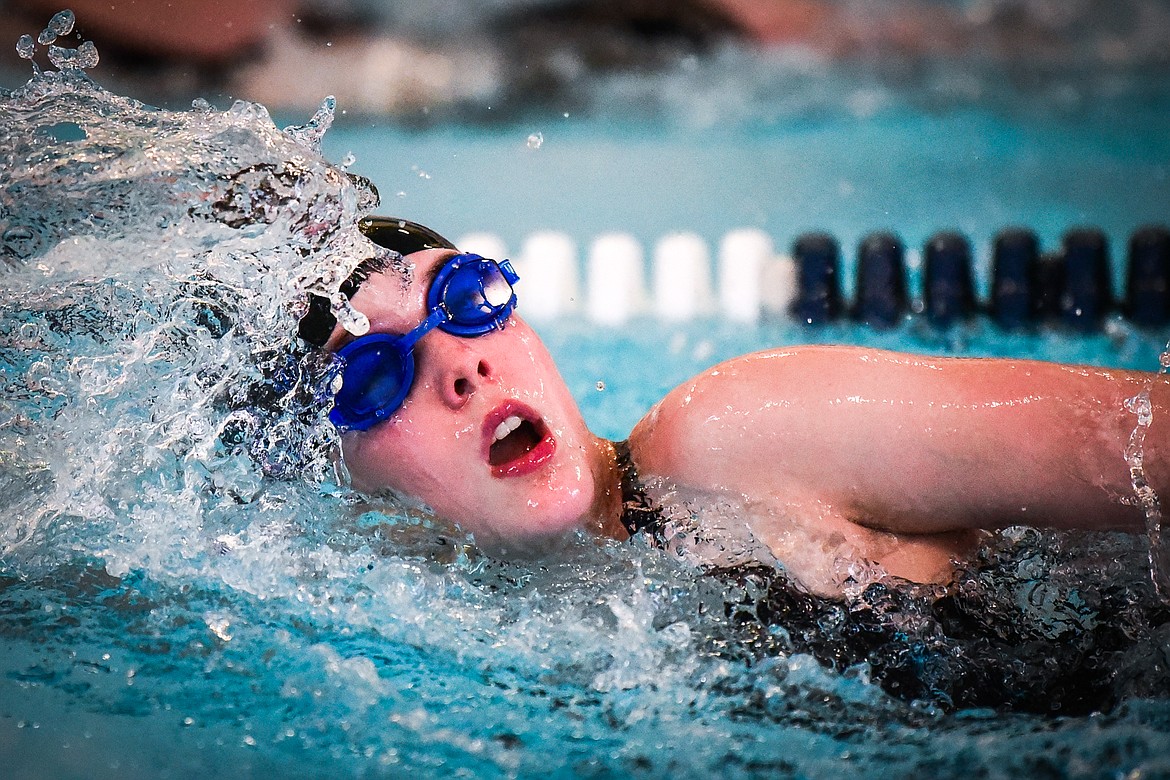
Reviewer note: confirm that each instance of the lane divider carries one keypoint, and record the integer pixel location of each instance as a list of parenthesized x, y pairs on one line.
[(746, 279)]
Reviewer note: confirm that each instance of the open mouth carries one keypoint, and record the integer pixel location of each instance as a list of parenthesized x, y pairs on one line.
[(514, 438), (520, 441)]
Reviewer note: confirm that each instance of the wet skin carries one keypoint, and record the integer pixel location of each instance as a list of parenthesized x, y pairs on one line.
[(437, 447), (838, 453), (903, 459)]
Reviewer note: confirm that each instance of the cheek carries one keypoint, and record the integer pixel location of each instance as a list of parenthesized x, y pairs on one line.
[(403, 455), (528, 370)]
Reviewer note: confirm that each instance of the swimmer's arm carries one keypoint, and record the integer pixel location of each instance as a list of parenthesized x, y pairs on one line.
[(912, 444)]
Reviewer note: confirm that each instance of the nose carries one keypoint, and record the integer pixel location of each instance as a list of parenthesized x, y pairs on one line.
[(457, 369)]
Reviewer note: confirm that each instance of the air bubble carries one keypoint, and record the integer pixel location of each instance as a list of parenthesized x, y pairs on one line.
[(536, 140), (600, 385)]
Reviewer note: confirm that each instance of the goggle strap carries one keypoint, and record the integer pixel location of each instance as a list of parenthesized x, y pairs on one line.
[(509, 273), (436, 318)]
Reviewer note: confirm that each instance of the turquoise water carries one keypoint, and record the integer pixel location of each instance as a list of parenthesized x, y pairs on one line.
[(187, 589)]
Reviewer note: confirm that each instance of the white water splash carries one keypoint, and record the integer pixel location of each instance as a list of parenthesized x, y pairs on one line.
[(154, 267), (149, 261), (1142, 407), (61, 24), (84, 57)]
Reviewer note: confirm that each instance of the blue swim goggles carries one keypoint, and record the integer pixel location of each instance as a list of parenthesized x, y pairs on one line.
[(470, 296)]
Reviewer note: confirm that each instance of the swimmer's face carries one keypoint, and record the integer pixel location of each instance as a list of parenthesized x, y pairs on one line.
[(442, 446)]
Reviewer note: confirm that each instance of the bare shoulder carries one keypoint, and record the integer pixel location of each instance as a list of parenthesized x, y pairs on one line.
[(911, 443), (902, 457), (710, 431)]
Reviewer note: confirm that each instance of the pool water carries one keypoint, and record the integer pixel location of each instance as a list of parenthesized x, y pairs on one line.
[(915, 173), (188, 590)]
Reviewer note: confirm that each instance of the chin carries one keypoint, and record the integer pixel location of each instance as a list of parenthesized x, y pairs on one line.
[(531, 528)]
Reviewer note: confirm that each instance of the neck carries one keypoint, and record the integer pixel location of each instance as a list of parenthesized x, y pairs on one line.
[(605, 514)]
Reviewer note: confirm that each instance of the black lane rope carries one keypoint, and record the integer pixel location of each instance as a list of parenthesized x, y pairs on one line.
[(1069, 287)]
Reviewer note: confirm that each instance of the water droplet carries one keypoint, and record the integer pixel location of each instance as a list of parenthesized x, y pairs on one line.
[(314, 130), (20, 242), (25, 47), (64, 132), (348, 317), (220, 626), (60, 24), (87, 55), (535, 141), (63, 59)]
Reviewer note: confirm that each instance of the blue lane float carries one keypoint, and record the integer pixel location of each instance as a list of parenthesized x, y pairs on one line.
[(818, 279), (1088, 293), (881, 300), (948, 283), (1049, 288), (1147, 289), (1015, 293), (1069, 286)]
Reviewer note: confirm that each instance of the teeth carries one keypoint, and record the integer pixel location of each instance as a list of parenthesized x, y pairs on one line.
[(507, 426)]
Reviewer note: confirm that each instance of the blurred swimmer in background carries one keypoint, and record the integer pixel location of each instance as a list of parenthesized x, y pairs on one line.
[(399, 58)]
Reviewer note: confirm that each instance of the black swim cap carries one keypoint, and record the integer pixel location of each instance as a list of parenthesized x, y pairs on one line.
[(398, 235)]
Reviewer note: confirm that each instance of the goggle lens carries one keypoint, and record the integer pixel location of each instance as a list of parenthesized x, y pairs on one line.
[(374, 377), (475, 294), (470, 296)]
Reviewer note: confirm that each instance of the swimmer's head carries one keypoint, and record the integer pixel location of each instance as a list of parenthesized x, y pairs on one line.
[(485, 433)]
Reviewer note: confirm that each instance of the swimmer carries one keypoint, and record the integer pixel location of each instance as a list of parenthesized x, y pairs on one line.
[(837, 454)]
